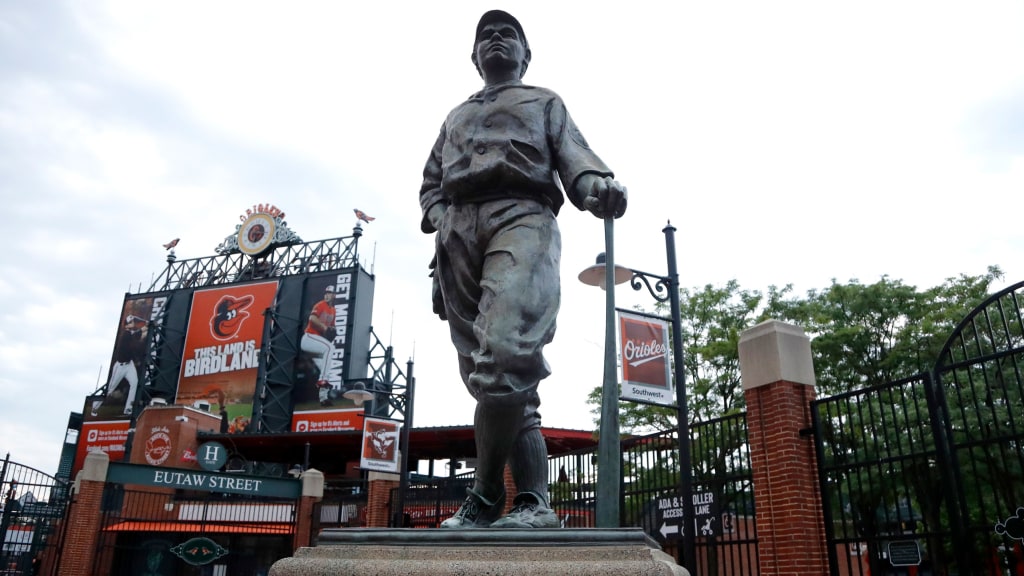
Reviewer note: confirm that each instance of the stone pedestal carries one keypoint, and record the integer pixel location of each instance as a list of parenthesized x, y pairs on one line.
[(494, 552)]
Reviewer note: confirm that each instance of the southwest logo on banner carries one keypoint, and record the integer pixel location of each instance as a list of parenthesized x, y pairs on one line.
[(222, 350), (643, 346)]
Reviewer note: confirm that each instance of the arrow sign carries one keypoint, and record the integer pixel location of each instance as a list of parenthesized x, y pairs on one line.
[(667, 529)]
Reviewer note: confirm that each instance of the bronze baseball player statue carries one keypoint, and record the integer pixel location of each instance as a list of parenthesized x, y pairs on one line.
[(491, 189)]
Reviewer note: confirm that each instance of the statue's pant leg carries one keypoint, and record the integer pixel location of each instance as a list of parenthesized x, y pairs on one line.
[(499, 265)]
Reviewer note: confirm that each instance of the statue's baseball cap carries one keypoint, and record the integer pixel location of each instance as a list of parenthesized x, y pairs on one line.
[(500, 16)]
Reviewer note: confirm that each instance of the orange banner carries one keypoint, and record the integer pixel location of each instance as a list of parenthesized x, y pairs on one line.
[(222, 350), (643, 346), (108, 437), (380, 445), (327, 420)]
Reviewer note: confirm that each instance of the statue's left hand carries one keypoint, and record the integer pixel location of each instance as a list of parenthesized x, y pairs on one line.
[(604, 196)]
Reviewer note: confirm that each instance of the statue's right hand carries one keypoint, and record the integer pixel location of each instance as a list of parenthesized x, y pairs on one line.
[(436, 215)]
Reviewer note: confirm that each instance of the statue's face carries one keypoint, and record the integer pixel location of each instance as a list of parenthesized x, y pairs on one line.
[(498, 47)]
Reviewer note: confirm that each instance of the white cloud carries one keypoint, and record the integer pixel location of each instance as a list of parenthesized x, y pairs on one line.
[(789, 142)]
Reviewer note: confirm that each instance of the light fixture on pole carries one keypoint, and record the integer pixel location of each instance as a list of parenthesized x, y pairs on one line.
[(664, 289), (595, 275), (358, 393)]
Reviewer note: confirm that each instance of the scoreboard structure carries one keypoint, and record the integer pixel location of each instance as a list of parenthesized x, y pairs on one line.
[(268, 334)]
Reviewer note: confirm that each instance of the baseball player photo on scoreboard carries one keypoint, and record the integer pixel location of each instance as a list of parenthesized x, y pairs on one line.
[(319, 404), (115, 400)]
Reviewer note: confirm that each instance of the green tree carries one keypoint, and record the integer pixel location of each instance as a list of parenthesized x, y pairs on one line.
[(865, 334), (861, 334)]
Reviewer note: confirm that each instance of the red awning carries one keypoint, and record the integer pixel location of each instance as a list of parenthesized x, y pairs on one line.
[(196, 527)]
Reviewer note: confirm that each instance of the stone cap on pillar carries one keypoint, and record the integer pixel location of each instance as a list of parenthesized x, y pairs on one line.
[(94, 469), (313, 483), (775, 351)]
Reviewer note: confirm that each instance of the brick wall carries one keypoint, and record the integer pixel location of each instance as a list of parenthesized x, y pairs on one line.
[(510, 489), (378, 499), (304, 523), (79, 546), (778, 384), (791, 534)]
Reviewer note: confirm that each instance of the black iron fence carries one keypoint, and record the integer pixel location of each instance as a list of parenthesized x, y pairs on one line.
[(723, 497), (880, 478), (343, 506), (33, 505), (723, 504), (979, 397), (928, 472), (649, 492), (427, 504)]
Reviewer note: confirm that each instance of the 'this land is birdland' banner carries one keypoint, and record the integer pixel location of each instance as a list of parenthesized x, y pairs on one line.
[(643, 346), (222, 350)]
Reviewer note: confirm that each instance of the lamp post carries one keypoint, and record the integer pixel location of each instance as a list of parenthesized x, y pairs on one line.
[(366, 390), (609, 451), (664, 289)]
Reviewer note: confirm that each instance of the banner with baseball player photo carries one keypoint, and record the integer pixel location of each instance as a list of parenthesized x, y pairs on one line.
[(325, 345), (646, 369), (128, 362), (222, 350), (380, 445)]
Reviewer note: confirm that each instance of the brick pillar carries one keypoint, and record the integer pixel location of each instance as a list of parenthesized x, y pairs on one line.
[(510, 489), (83, 530), (312, 492), (778, 384), (378, 498)]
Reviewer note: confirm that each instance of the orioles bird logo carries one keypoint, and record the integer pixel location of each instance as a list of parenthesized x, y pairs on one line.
[(382, 443), (228, 316)]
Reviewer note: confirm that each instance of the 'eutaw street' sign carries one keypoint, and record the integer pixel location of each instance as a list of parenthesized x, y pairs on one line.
[(669, 519), (184, 479)]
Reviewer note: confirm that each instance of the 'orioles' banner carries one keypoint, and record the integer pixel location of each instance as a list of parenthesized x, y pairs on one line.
[(643, 346), (380, 445), (222, 350)]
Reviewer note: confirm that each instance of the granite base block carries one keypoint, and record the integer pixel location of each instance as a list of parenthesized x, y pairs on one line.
[(406, 552)]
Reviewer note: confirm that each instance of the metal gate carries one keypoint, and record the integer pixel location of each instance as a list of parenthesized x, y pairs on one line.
[(926, 475), (33, 505), (145, 530), (723, 496)]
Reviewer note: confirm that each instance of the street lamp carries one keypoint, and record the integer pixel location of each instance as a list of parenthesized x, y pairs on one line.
[(400, 399), (665, 288)]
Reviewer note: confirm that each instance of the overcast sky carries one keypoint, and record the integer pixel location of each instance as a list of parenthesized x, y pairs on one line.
[(788, 142)]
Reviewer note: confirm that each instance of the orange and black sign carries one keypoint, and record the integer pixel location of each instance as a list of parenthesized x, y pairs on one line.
[(643, 346), (222, 350)]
